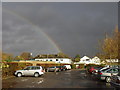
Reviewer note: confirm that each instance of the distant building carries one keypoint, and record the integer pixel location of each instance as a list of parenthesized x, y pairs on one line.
[(56, 60), (112, 60), (96, 60), (54, 57), (87, 60)]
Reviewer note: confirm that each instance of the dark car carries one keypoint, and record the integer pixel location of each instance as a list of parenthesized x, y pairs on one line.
[(53, 69), (62, 68)]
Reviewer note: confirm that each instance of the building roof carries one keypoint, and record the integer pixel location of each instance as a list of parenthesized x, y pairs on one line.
[(85, 57), (50, 56)]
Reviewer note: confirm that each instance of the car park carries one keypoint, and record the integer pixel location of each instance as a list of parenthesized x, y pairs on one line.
[(105, 74), (115, 81), (30, 71)]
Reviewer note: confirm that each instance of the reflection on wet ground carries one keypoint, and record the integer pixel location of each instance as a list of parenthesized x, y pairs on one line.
[(64, 79)]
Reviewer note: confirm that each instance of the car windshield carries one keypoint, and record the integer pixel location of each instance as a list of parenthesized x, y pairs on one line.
[(97, 67), (105, 69)]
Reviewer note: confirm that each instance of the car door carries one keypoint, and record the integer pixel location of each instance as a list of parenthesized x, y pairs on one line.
[(53, 68), (32, 70), (107, 72), (26, 71)]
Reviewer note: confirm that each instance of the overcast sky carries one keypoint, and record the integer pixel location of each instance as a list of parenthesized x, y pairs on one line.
[(74, 28)]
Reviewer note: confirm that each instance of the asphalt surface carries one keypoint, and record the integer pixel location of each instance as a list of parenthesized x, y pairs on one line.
[(64, 79)]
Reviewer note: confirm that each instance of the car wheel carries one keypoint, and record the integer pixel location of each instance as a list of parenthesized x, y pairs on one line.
[(108, 79), (19, 74), (36, 75)]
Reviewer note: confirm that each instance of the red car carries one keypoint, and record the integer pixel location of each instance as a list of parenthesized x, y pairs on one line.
[(92, 69)]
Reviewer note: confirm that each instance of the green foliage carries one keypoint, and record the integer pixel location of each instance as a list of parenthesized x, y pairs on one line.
[(7, 57), (73, 66), (8, 60), (77, 58)]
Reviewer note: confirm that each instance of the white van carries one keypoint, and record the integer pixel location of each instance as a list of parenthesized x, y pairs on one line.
[(68, 67)]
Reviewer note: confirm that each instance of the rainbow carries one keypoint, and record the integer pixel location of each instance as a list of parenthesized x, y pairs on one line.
[(50, 40)]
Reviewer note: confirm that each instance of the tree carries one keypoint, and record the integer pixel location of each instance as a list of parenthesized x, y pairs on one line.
[(109, 46), (61, 54), (7, 57), (26, 55), (77, 58), (18, 58)]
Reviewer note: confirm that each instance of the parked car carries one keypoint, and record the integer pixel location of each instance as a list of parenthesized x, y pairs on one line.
[(92, 69), (68, 67), (54, 69), (62, 68), (96, 69), (115, 81), (30, 71), (105, 74)]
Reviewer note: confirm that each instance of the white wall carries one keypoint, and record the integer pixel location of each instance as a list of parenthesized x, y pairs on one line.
[(57, 60)]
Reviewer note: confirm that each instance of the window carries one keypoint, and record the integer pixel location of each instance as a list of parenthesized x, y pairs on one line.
[(115, 70), (27, 68), (33, 68), (87, 59)]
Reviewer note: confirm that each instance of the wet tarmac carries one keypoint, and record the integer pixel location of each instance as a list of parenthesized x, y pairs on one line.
[(64, 79)]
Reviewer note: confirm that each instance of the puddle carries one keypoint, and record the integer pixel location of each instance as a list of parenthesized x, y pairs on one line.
[(24, 80), (30, 86), (40, 82), (108, 84)]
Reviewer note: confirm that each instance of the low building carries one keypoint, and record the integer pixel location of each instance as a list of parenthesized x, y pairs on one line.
[(95, 60), (86, 60), (112, 60), (56, 60), (63, 59)]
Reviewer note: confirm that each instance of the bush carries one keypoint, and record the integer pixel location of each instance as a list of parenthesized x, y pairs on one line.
[(73, 66)]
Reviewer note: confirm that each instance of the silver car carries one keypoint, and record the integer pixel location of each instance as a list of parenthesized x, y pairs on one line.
[(30, 71), (105, 74), (115, 81)]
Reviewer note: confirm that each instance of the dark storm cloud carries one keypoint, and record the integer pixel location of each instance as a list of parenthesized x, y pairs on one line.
[(21, 36), (76, 27)]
